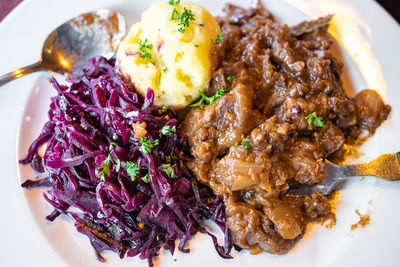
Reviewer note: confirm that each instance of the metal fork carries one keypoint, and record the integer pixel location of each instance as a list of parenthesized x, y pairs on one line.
[(386, 166)]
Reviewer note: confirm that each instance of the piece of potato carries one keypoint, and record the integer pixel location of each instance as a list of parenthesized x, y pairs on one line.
[(181, 63)]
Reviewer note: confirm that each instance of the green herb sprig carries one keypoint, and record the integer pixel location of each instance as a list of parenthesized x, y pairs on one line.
[(168, 130), (147, 145), (169, 170), (218, 39), (245, 143), (312, 118), (145, 178), (230, 78), (174, 3), (184, 18), (132, 169), (105, 168), (144, 47), (205, 100)]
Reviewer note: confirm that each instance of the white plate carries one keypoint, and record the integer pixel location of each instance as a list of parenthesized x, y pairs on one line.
[(369, 40)]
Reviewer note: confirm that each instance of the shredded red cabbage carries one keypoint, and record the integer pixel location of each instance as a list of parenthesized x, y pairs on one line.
[(91, 148)]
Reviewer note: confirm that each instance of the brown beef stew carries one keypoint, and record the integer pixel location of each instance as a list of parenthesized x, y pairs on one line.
[(252, 142)]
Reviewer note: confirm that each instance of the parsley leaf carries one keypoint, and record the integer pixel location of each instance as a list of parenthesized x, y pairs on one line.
[(145, 178), (245, 143), (105, 168), (234, 144), (143, 49), (159, 78), (184, 18), (205, 100), (230, 78), (165, 69), (219, 38), (312, 118), (173, 3), (164, 109), (169, 170), (132, 169), (168, 130), (147, 145), (175, 14)]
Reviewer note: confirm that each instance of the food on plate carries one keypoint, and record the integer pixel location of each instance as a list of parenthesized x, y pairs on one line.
[(283, 112), (266, 107), (364, 220), (170, 51), (117, 161)]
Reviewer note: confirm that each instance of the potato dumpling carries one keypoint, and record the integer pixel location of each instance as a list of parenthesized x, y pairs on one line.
[(172, 51)]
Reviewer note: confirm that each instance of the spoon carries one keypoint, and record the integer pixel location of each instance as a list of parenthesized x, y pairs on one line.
[(386, 166), (70, 45)]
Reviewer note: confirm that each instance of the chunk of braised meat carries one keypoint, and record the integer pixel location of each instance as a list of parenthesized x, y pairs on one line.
[(256, 164), (316, 205), (372, 111), (287, 217), (330, 137), (271, 135), (241, 16), (305, 157), (245, 168), (254, 231), (310, 26), (213, 129)]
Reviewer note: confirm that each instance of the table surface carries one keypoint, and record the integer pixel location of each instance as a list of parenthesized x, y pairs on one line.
[(392, 6)]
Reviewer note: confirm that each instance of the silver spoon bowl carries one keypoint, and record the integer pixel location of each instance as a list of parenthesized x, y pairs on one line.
[(70, 45)]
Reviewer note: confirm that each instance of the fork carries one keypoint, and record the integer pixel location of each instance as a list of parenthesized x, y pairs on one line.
[(386, 166)]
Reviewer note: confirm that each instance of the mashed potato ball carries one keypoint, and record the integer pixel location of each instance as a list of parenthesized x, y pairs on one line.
[(172, 51)]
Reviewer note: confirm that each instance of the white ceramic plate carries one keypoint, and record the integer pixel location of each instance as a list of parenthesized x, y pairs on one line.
[(369, 46)]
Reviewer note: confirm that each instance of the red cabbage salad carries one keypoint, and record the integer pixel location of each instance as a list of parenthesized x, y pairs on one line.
[(114, 164)]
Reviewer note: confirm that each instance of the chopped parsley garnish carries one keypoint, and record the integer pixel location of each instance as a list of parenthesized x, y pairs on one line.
[(175, 14), (118, 166), (168, 130), (230, 78), (114, 144), (159, 78), (169, 170), (145, 106), (219, 38), (245, 143), (205, 100), (147, 145), (132, 169), (144, 46), (313, 118), (234, 144), (165, 69), (145, 178), (164, 109), (184, 18), (173, 3), (105, 168)]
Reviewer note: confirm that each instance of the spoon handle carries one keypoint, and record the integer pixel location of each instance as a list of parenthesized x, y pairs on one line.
[(38, 66)]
